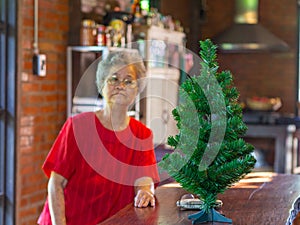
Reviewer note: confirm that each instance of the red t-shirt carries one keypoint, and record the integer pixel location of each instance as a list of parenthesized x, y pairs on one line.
[(100, 165)]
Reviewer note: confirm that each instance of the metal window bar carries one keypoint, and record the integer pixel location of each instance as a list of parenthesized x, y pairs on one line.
[(2, 120), (8, 55), (2, 26)]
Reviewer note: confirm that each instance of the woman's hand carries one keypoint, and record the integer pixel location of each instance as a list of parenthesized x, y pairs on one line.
[(143, 198), (144, 189)]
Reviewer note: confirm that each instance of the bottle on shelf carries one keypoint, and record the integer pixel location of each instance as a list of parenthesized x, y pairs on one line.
[(108, 35), (87, 32), (101, 35), (136, 10), (136, 7)]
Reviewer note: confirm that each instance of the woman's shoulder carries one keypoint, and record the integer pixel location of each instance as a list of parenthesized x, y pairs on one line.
[(137, 123), (84, 119), (140, 127), (83, 115)]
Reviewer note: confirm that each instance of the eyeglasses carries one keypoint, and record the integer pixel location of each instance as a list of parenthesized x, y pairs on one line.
[(115, 81)]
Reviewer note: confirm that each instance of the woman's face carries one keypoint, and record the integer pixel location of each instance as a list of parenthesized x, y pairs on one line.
[(121, 87)]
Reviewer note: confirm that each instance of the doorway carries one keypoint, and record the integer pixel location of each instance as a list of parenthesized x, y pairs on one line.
[(8, 46)]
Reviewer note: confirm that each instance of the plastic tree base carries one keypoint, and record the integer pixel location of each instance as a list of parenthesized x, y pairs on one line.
[(211, 216)]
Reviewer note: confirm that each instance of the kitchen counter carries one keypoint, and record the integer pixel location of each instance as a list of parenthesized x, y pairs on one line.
[(269, 118), (277, 126)]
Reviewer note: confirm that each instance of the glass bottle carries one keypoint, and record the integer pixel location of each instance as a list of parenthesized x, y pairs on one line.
[(137, 11), (101, 35), (87, 32)]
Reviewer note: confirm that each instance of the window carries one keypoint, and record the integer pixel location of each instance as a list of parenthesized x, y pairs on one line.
[(7, 110)]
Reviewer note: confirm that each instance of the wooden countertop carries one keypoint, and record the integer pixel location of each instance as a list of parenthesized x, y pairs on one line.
[(258, 199)]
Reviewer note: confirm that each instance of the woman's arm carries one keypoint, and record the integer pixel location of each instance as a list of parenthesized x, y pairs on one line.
[(144, 192), (56, 198)]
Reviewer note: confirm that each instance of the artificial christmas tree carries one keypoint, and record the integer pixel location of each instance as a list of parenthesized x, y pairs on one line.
[(210, 154)]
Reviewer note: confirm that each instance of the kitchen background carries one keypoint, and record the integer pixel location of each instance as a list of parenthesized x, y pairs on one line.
[(41, 101)]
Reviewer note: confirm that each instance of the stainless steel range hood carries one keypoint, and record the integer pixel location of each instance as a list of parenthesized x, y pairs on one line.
[(246, 34)]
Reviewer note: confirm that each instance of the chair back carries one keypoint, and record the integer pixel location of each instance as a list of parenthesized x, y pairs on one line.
[(294, 216)]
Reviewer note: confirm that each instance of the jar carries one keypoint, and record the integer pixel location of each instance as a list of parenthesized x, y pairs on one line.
[(101, 35), (87, 32)]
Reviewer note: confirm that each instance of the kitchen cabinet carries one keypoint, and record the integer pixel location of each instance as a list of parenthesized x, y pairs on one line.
[(161, 48), (158, 100)]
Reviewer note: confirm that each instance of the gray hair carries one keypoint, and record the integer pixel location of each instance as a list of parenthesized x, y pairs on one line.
[(117, 60)]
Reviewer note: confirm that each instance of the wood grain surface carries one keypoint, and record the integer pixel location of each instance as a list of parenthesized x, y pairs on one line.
[(258, 199)]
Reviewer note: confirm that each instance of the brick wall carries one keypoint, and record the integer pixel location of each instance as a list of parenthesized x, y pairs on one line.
[(268, 74), (41, 101), (260, 74)]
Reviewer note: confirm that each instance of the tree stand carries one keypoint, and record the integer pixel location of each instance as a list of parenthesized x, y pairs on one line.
[(211, 216)]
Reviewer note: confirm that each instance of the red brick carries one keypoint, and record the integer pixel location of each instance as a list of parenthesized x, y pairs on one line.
[(28, 12), (26, 150), (38, 197), (33, 99), (26, 141), (31, 110), (27, 65), (33, 178), (26, 131), (48, 87), (50, 98), (24, 212), (29, 87), (27, 170), (61, 7), (28, 2), (27, 22), (29, 158), (26, 120), (23, 202)]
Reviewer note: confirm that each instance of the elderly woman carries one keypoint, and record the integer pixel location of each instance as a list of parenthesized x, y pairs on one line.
[(101, 161)]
